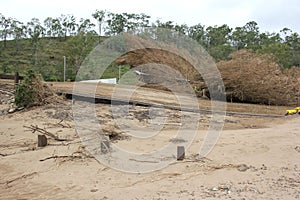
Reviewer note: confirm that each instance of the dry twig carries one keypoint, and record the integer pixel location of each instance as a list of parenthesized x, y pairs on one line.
[(18, 178), (44, 132), (56, 156)]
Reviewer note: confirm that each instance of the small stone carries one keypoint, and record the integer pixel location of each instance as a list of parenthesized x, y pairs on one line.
[(264, 167), (297, 148), (20, 108), (243, 168), (94, 190), (11, 110)]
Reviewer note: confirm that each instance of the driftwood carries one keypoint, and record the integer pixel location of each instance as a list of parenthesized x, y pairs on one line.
[(77, 154), (19, 178), (66, 125), (44, 132), (55, 157), (61, 124)]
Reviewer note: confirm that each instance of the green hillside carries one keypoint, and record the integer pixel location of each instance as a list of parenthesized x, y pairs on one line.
[(41, 45), (47, 59)]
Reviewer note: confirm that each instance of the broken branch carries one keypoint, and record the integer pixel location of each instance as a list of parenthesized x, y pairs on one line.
[(44, 132), (55, 157)]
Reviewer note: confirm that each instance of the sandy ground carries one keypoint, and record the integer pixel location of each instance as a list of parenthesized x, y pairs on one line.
[(254, 158)]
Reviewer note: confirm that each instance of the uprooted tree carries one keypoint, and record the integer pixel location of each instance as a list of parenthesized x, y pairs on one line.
[(258, 79)]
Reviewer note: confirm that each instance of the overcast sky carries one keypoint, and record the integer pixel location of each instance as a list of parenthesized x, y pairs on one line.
[(271, 15)]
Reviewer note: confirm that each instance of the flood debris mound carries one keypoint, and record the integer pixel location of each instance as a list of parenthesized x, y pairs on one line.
[(253, 78), (248, 77), (34, 92)]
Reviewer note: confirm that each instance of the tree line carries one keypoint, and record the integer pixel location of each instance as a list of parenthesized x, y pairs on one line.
[(219, 41)]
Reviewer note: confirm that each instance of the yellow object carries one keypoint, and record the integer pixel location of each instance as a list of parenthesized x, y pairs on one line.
[(297, 108), (292, 112)]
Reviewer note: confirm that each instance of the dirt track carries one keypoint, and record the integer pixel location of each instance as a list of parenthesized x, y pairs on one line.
[(159, 97)]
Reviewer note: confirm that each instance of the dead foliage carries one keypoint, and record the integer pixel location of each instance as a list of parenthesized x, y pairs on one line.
[(248, 77), (253, 78), (33, 91)]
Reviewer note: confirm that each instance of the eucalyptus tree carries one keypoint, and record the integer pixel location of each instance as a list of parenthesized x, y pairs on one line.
[(238, 38), (85, 26), (198, 33), (293, 41), (218, 40), (247, 36), (5, 30), (35, 31), (143, 20), (218, 35), (69, 25), (18, 31), (251, 30), (138, 22), (272, 44), (78, 47), (167, 24), (48, 24), (54, 27), (124, 22), (99, 15), (183, 28), (115, 23)]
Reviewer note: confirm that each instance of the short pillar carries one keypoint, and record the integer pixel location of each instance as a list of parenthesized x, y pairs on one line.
[(180, 152), (105, 146), (17, 77), (42, 141)]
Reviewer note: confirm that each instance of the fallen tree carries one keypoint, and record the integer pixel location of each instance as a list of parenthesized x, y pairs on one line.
[(253, 78), (248, 77)]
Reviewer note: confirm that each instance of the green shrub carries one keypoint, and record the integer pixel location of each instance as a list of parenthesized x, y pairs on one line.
[(30, 91), (24, 96)]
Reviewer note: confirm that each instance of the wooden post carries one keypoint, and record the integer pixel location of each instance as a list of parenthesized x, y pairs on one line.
[(17, 78), (105, 146), (42, 141), (180, 152)]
